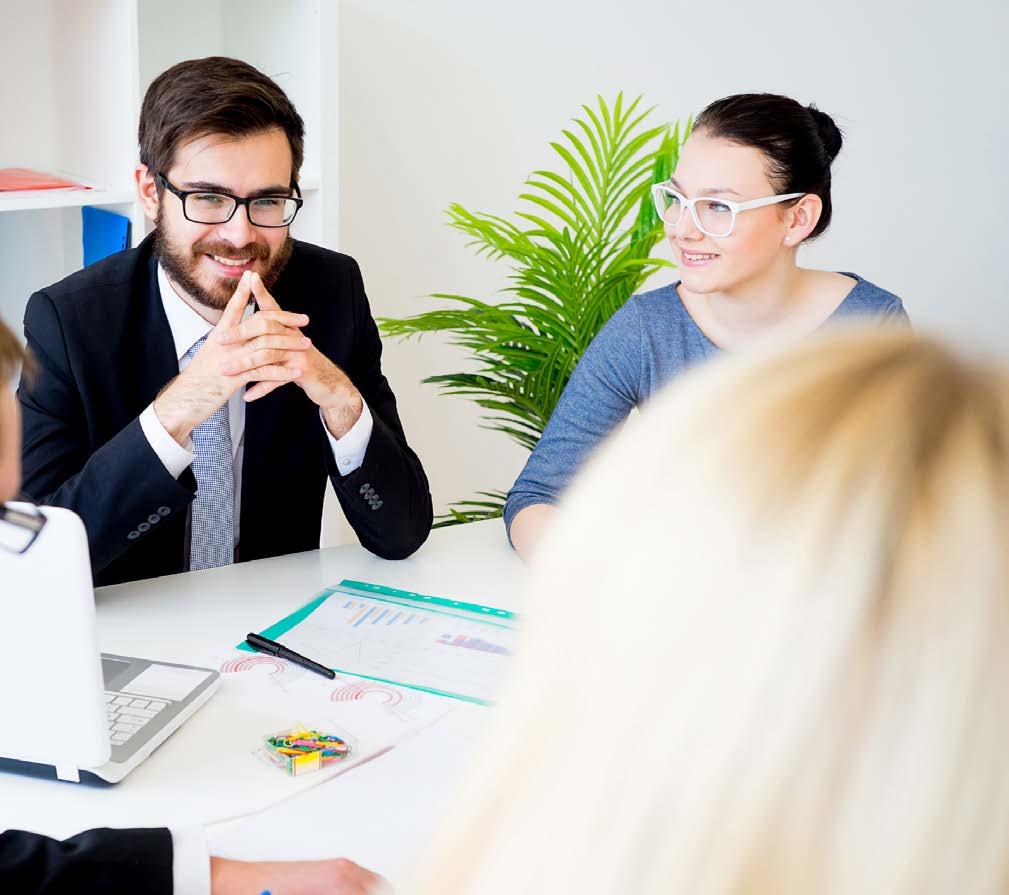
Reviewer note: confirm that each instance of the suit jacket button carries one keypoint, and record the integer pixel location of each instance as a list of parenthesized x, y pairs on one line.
[(154, 518), (144, 526), (377, 504), (163, 511), (364, 488), (133, 535)]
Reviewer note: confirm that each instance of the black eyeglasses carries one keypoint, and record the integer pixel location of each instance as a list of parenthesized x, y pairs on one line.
[(19, 527), (202, 207)]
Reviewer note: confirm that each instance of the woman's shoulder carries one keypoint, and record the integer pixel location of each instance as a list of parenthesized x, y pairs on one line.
[(652, 326), (661, 300), (669, 334), (866, 298), (658, 309), (662, 308)]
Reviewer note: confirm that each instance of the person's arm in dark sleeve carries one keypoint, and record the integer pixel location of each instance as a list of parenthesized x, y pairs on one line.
[(386, 499), (113, 862), (111, 486)]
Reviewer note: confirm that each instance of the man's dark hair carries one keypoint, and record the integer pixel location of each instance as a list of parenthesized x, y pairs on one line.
[(215, 95), (799, 142)]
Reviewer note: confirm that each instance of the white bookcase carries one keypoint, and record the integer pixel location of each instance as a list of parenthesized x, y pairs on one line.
[(74, 73)]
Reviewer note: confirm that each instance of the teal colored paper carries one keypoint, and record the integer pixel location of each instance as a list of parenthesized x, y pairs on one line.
[(475, 608), (278, 629), (372, 591)]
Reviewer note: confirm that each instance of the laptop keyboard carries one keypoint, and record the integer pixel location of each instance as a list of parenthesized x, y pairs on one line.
[(127, 714)]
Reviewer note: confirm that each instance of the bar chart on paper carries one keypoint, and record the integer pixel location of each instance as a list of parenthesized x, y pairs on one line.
[(461, 640), (364, 613), (411, 640)]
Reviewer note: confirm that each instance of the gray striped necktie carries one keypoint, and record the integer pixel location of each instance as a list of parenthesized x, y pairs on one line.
[(212, 530)]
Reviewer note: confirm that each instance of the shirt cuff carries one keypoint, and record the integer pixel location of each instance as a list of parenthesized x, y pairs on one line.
[(175, 457), (349, 451), (190, 862)]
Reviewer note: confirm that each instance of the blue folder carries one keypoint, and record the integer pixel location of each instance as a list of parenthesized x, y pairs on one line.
[(104, 233)]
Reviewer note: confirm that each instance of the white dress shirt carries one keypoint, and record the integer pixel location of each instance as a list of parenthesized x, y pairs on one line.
[(190, 862), (187, 328)]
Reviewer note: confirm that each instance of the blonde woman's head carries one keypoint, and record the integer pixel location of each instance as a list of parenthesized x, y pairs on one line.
[(767, 643), (12, 357)]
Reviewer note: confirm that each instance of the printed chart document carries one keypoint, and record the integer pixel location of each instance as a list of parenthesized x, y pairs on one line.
[(432, 644)]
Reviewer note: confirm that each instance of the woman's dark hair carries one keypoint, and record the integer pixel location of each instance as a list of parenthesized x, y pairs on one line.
[(216, 95), (799, 142)]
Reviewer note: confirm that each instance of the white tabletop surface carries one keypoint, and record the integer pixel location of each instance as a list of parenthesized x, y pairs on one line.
[(379, 813)]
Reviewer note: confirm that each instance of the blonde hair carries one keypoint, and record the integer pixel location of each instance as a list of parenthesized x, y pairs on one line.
[(766, 644), (12, 355)]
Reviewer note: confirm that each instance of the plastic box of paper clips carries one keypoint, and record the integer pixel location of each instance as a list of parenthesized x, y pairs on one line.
[(302, 750)]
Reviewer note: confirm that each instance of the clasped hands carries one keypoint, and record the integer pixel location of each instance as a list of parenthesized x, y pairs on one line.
[(267, 349)]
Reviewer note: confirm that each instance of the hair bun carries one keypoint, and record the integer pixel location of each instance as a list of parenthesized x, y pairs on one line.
[(830, 134)]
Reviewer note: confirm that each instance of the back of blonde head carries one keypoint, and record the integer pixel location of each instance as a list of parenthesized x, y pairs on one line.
[(767, 644)]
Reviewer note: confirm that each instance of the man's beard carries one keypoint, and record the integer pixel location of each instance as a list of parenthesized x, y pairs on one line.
[(180, 263)]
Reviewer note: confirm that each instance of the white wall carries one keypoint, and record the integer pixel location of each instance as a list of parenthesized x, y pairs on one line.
[(456, 100), (50, 112)]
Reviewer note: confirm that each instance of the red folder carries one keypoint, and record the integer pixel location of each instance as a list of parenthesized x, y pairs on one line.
[(25, 179)]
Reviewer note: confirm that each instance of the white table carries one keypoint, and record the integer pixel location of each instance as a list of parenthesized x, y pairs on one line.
[(379, 813)]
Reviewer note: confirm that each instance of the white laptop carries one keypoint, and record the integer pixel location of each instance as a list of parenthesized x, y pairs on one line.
[(62, 702)]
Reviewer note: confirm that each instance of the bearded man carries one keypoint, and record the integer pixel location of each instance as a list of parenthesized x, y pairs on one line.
[(193, 394)]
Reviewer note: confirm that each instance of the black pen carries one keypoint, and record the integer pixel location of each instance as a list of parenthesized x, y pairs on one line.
[(262, 645)]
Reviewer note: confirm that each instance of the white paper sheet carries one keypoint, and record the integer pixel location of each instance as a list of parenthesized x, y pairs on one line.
[(399, 642)]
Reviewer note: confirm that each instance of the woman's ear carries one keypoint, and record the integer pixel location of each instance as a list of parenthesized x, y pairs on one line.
[(801, 219)]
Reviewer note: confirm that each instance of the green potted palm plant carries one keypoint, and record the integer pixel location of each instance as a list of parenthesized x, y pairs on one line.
[(578, 249)]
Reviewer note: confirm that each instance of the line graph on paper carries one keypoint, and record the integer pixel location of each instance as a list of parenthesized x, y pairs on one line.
[(395, 642)]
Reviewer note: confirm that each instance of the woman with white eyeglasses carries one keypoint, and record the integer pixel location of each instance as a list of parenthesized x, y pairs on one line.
[(752, 184)]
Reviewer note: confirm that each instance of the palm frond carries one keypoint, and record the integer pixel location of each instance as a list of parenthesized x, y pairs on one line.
[(578, 247), (473, 510)]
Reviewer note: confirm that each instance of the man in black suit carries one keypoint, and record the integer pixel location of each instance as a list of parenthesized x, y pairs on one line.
[(187, 427), (152, 861)]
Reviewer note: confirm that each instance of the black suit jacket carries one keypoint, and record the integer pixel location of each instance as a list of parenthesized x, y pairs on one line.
[(104, 350), (113, 862)]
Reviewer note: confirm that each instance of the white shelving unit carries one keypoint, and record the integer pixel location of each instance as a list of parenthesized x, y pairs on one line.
[(74, 84), (71, 87), (33, 200)]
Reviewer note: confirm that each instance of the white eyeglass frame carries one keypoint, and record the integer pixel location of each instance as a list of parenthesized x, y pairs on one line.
[(660, 189)]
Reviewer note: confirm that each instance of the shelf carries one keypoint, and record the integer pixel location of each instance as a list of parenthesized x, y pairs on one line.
[(30, 200)]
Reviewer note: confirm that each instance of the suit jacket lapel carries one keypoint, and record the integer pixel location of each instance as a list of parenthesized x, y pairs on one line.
[(157, 363)]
